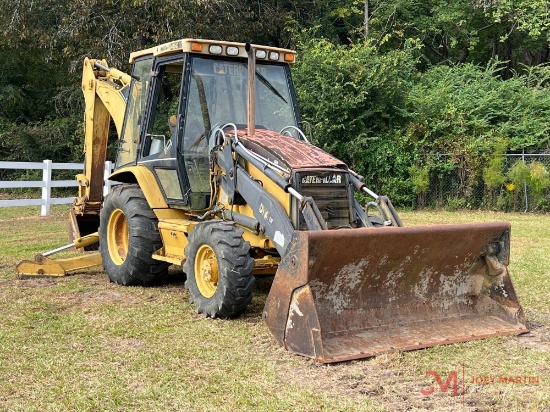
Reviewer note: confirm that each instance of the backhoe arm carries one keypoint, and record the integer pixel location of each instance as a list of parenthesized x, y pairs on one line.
[(104, 94), (105, 90)]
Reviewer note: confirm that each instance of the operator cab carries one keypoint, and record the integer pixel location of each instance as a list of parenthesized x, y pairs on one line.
[(182, 91)]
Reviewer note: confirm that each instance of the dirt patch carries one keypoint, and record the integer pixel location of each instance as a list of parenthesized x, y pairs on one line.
[(32, 282), (393, 382), (81, 300), (538, 337), (15, 289), (389, 387), (377, 379)]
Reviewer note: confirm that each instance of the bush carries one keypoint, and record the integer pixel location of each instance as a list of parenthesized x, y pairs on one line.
[(381, 116), (538, 179), (349, 94), (420, 179)]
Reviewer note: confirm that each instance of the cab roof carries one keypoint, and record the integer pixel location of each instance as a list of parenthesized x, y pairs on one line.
[(215, 47)]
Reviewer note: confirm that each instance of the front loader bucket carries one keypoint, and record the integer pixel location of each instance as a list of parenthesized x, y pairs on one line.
[(354, 293)]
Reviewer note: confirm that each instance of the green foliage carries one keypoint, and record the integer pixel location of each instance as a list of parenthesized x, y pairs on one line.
[(543, 204), (350, 95), (420, 179), (387, 168), (466, 32), (455, 203), (535, 177), (453, 106), (538, 179), (437, 83), (43, 45), (493, 173), (350, 92), (50, 139), (471, 115), (518, 174), (529, 16), (375, 111)]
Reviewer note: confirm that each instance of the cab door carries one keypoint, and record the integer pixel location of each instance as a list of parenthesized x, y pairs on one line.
[(193, 148), (160, 135), (128, 143)]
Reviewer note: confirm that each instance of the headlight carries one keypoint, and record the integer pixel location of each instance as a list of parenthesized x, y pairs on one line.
[(214, 49), (232, 51)]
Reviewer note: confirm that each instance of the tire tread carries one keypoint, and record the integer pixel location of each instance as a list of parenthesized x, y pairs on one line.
[(234, 291)]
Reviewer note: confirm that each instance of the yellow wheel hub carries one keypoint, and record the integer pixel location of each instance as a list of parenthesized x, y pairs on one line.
[(206, 271), (118, 236)]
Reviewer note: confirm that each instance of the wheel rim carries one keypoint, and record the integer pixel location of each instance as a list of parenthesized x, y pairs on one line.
[(206, 271), (118, 236)]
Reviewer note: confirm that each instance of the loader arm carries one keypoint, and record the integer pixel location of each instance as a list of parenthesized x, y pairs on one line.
[(271, 218)]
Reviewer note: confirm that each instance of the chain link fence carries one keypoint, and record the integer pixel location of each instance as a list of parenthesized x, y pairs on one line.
[(525, 185)]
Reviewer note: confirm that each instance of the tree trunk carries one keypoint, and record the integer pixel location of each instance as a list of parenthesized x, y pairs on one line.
[(366, 19)]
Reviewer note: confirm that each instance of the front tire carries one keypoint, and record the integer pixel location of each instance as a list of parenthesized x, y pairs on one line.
[(129, 235), (218, 269)]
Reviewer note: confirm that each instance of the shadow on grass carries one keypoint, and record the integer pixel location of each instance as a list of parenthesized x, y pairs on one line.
[(262, 286)]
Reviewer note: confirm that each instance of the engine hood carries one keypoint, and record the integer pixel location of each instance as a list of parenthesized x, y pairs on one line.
[(293, 153)]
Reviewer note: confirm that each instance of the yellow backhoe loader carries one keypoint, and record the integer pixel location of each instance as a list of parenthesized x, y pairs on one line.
[(216, 174)]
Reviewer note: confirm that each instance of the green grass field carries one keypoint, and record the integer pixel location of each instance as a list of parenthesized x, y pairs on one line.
[(81, 343)]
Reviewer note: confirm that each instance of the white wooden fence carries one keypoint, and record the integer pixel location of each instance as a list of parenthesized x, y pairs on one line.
[(46, 183)]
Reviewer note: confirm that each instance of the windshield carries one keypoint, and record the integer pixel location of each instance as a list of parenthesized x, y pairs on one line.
[(218, 95)]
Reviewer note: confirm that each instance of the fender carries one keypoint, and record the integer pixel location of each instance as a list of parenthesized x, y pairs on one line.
[(146, 181)]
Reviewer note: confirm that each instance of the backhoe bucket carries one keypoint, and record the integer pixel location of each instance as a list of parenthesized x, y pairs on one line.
[(83, 225), (347, 294)]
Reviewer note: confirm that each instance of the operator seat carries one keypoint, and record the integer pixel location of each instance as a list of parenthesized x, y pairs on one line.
[(159, 142)]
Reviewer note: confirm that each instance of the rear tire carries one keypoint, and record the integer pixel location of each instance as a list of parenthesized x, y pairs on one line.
[(218, 269), (128, 233)]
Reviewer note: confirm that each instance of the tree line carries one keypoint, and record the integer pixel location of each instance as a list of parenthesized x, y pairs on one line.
[(401, 90)]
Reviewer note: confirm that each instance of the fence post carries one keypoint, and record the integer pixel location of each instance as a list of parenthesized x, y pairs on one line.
[(107, 183), (525, 183), (46, 188)]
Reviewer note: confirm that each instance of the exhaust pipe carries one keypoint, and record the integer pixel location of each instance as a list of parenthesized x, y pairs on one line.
[(251, 90)]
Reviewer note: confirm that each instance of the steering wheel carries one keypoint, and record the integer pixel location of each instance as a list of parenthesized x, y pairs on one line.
[(212, 136), (196, 141)]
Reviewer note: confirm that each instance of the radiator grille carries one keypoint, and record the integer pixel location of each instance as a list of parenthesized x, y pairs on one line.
[(331, 199)]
